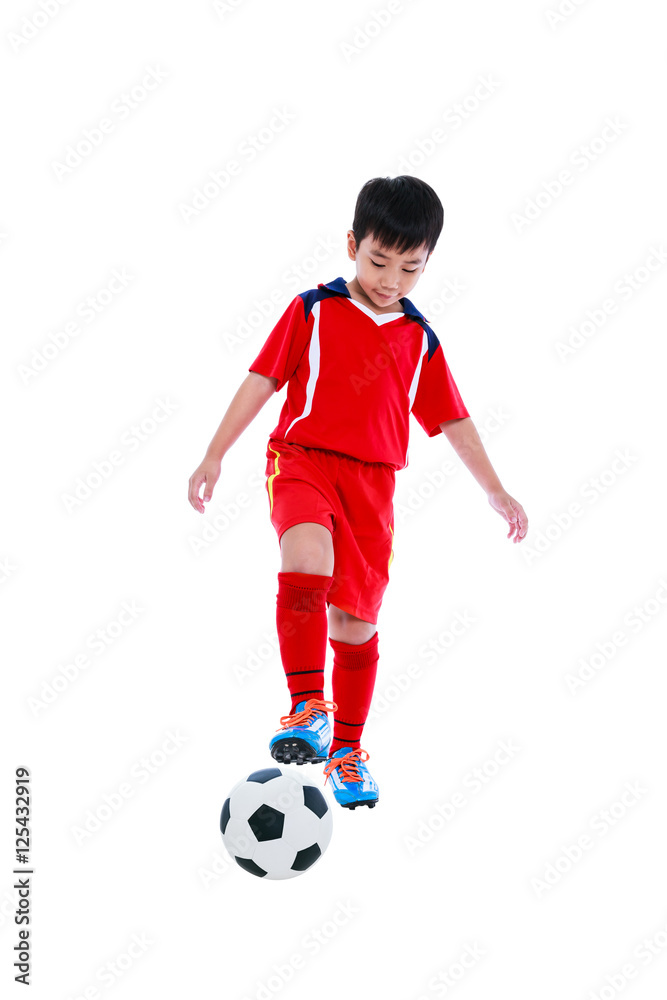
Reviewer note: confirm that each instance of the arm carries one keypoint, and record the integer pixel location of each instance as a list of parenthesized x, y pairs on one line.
[(253, 393), (251, 396), (466, 442)]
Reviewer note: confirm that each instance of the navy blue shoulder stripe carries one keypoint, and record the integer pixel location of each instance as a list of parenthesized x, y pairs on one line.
[(411, 310), (338, 287), (314, 295)]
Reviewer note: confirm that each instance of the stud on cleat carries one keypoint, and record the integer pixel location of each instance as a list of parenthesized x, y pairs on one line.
[(288, 752), (304, 736), (362, 802)]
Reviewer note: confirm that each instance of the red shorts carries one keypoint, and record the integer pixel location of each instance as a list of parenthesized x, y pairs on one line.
[(354, 500)]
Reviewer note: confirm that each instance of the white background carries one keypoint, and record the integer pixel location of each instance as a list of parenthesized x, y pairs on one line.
[(395, 914)]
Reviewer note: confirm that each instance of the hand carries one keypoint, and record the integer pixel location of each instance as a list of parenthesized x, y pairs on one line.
[(513, 513), (208, 473)]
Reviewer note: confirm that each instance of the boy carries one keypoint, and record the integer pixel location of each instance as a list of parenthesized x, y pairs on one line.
[(357, 357)]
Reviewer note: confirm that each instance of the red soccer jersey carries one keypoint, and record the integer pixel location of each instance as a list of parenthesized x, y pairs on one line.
[(353, 377)]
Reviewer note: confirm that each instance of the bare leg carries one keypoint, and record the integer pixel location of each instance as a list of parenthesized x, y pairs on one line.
[(307, 548), (344, 627)]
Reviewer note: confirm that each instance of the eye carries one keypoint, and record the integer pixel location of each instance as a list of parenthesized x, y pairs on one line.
[(382, 265)]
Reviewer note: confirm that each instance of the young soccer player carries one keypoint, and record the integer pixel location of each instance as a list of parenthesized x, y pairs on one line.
[(357, 358)]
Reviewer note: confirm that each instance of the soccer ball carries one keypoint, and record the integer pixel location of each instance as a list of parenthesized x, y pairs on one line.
[(275, 825)]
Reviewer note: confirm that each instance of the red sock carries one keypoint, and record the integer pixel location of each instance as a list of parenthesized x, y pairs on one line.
[(301, 618), (352, 680)]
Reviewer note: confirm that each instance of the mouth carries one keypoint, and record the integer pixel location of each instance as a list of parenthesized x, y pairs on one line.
[(385, 297)]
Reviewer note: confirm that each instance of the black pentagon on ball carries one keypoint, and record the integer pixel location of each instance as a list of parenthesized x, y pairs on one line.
[(224, 815), (314, 800), (267, 823), (304, 859), (265, 774), (250, 866)]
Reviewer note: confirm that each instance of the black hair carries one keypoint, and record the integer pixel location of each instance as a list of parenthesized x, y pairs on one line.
[(402, 213)]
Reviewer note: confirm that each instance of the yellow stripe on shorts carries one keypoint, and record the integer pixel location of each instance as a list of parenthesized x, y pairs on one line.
[(273, 476), (392, 548)]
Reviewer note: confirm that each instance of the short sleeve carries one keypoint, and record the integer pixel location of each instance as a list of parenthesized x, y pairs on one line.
[(285, 345), (437, 398)]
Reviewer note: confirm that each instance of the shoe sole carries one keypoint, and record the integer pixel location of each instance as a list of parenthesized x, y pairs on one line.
[(295, 751), (360, 802)]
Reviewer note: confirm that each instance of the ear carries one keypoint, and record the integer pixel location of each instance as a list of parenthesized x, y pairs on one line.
[(351, 245)]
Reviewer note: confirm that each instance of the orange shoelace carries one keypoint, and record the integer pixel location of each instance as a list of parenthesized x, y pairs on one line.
[(349, 765), (307, 714)]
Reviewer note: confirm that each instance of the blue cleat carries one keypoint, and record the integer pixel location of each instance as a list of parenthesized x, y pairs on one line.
[(351, 779), (305, 735)]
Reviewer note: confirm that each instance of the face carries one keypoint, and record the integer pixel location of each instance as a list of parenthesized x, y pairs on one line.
[(383, 275)]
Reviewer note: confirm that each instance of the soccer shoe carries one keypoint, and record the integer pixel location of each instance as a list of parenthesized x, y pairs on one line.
[(305, 735), (351, 779)]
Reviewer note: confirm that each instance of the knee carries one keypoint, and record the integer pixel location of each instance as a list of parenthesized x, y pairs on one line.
[(344, 627), (308, 556), (307, 561)]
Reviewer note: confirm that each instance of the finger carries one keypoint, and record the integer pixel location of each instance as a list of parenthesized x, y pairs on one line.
[(523, 522), (193, 493), (519, 520)]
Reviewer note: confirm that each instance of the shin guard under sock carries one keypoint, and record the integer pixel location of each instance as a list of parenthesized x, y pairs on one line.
[(352, 681), (301, 619)]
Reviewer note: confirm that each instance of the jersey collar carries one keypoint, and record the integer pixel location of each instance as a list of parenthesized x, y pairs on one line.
[(338, 287)]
